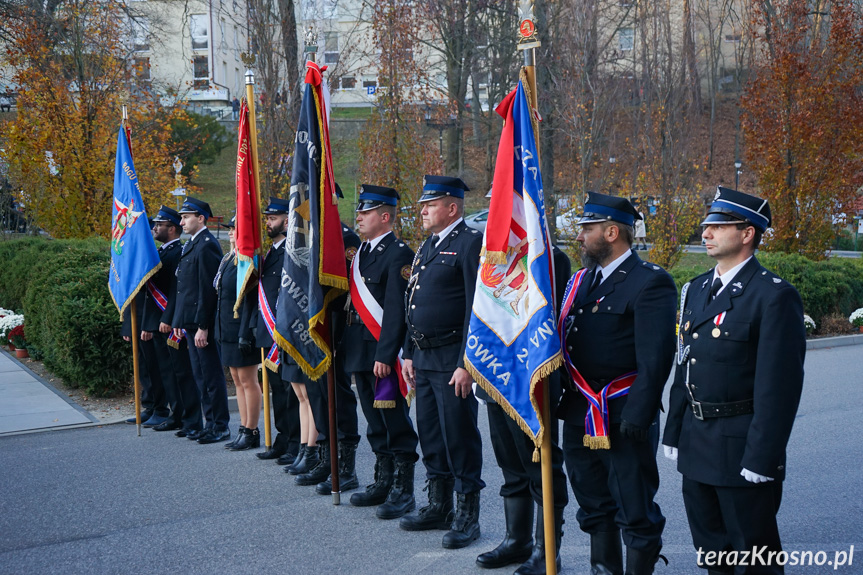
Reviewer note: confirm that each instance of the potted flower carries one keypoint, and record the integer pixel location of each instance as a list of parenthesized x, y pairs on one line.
[(7, 323), (809, 323), (16, 338), (856, 318)]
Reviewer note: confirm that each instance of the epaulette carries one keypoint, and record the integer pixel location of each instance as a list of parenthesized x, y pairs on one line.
[(651, 266), (473, 231), (770, 277)]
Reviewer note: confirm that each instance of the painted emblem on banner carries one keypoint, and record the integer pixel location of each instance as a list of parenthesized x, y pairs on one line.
[(124, 220), (508, 282)]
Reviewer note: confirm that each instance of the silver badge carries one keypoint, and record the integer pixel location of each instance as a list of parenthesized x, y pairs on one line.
[(718, 193), (777, 280), (738, 285)]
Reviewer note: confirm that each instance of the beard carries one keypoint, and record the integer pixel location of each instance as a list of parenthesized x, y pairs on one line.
[(277, 230), (595, 254)]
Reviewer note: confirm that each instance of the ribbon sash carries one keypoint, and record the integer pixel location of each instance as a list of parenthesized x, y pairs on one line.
[(272, 360), (596, 420), (162, 303), (372, 314)]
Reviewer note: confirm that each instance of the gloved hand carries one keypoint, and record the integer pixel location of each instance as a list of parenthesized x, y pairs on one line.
[(245, 346), (753, 477), (632, 431), (670, 452)]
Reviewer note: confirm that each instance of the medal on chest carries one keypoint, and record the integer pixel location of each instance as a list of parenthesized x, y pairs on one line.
[(717, 321), (596, 306)]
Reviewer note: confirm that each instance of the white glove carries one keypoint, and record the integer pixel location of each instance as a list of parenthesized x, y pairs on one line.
[(754, 477), (670, 452)]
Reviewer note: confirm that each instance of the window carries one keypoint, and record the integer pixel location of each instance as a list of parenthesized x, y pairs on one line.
[(370, 83), (140, 36), (199, 31), (201, 71), (141, 68), (349, 83), (626, 39), (331, 47)]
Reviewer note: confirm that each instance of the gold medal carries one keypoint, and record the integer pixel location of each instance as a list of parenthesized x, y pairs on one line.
[(686, 327), (595, 309), (716, 332)]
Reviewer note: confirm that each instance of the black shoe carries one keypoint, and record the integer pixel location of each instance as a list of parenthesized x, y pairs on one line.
[(641, 561), (287, 459), (214, 436), (314, 474), (230, 444), (169, 425), (517, 544), (347, 471), (155, 420), (194, 435), (377, 492), (606, 553), (535, 565), (301, 454), (274, 452), (400, 500), (438, 514), (465, 526), (145, 415), (250, 439), (184, 432)]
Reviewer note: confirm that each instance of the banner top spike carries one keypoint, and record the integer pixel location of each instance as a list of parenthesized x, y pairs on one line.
[(527, 38)]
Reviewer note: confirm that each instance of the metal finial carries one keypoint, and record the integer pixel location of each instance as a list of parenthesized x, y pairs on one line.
[(250, 77), (311, 40), (527, 38)]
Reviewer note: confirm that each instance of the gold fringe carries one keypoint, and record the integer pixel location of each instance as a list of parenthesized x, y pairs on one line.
[(522, 77), (597, 442), (313, 372), (535, 457), (250, 274), (271, 365), (494, 258), (174, 344), (385, 404), (141, 284), (410, 397)]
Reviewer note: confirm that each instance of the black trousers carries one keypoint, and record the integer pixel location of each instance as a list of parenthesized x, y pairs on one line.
[(190, 396), (286, 414), (210, 377), (734, 519), (450, 440), (513, 451), (390, 431), (177, 398), (152, 390), (346, 405), (615, 487)]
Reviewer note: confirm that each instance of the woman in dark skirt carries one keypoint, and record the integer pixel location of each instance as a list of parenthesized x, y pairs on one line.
[(238, 353)]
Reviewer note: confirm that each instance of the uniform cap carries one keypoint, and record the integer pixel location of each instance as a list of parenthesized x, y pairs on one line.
[(167, 214), (435, 187), (232, 223), (277, 207), (196, 206), (603, 208), (733, 207), (372, 197)]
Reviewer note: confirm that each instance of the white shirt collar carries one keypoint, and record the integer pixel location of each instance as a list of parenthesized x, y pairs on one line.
[(447, 230), (168, 243), (729, 275), (609, 269), (279, 243), (374, 242), (204, 227)]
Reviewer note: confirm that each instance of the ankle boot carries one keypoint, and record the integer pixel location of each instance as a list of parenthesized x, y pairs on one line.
[(641, 561), (535, 565), (465, 525), (233, 442), (301, 455), (400, 500), (250, 439), (376, 493), (438, 514), (606, 553), (517, 544), (347, 471), (317, 466)]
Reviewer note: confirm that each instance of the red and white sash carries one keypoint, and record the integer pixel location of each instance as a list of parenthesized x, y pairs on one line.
[(272, 360), (162, 303)]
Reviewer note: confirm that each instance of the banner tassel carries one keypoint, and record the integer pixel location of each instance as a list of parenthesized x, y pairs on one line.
[(535, 457)]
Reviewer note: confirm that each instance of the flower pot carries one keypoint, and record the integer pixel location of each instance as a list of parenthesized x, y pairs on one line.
[(11, 346), (21, 353), (860, 328)]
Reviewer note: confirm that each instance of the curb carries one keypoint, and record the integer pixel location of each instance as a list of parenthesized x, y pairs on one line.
[(837, 341)]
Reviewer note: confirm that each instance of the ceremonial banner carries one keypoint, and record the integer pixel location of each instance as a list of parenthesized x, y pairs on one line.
[(512, 342), (247, 229), (314, 270), (134, 258)]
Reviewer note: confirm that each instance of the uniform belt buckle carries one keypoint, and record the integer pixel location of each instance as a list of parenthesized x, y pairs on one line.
[(697, 411)]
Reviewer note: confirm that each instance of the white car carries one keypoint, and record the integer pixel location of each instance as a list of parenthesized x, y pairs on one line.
[(566, 223), (477, 220)]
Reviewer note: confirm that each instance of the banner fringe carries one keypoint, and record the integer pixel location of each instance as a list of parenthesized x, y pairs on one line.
[(535, 457), (596, 442), (174, 344), (389, 404), (251, 274), (134, 294), (271, 365), (494, 258)]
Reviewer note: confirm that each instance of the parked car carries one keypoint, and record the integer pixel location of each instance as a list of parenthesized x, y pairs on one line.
[(567, 228), (477, 220)]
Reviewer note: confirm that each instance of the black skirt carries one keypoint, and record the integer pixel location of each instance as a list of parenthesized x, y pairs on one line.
[(233, 357), (290, 372)]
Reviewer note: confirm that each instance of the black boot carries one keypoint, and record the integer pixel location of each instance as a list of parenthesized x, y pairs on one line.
[(301, 455), (251, 439), (606, 553), (641, 562), (347, 471), (400, 500), (316, 466), (438, 514), (278, 449), (240, 431), (376, 493), (517, 544), (535, 565), (465, 526)]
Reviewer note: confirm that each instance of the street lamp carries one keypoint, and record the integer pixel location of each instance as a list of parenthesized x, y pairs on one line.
[(439, 125), (737, 165)]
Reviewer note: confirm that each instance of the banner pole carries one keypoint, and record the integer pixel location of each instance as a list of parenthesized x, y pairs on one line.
[(253, 144), (133, 309)]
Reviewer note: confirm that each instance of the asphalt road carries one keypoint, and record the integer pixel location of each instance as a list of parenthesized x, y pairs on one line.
[(102, 500)]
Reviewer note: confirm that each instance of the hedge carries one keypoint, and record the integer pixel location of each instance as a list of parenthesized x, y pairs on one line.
[(71, 321)]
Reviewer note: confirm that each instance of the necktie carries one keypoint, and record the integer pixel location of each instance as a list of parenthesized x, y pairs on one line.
[(432, 244), (183, 251), (367, 247), (597, 279), (714, 289)]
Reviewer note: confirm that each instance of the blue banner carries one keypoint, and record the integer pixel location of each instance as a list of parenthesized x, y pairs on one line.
[(134, 258), (512, 343)]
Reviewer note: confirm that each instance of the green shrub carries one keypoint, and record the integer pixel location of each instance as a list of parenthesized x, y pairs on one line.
[(20, 258)]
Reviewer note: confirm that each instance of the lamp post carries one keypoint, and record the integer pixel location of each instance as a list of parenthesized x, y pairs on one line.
[(737, 165), (440, 126)]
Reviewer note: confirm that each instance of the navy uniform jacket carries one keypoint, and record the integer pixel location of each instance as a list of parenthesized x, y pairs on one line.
[(632, 329), (195, 305), (439, 301), (229, 328), (271, 280), (337, 307), (758, 355), (386, 270), (165, 280)]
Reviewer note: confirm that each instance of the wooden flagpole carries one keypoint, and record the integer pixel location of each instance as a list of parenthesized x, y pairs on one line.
[(253, 144), (528, 43)]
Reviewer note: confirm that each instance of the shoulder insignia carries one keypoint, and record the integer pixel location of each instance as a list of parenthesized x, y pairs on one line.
[(350, 253), (380, 247), (764, 273), (738, 285), (473, 231), (406, 272), (777, 280), (206, 239), (656, 267), (401, 244)]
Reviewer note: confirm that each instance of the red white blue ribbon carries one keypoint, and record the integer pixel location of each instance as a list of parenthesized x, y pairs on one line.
[(272, 360), (162, 303)]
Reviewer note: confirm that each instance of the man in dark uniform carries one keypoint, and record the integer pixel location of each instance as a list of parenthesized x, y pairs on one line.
[(619, 333), (379, 279), (173, 360), (736, 390), (346, 401), (439, 300), (195, 312), (522, 477), (286, 414), (154, 405)]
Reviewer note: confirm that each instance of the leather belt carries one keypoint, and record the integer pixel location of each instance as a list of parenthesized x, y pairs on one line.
[(425, 342), (703, 410)]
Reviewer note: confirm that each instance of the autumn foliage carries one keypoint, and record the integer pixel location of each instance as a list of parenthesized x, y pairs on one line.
[(803, 119)]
